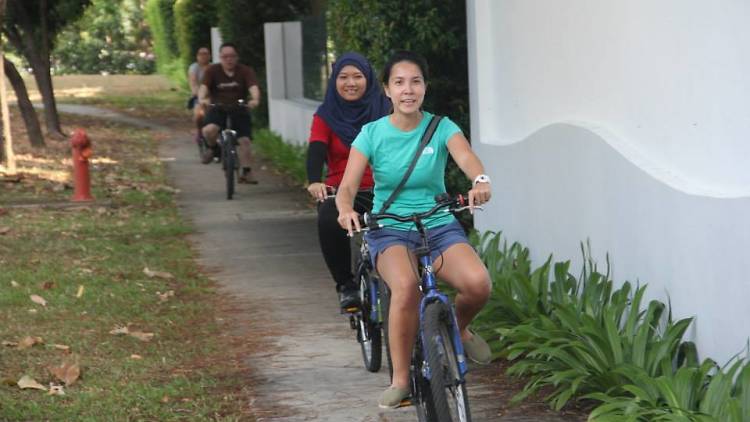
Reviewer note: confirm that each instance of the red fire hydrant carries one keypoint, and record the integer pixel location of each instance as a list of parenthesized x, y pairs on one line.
[(81, 153)]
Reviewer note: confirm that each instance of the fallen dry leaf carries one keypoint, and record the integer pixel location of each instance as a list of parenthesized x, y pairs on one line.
[(134, 356), (29, 341), (14, 283), (38, 300), (28, 382), (62, 347), (79, 293), (9, 343), (120, 330), (4, 230), (142, 336), (56, 390), (163, 297), (47, 285), (68, 371), (159, 274)]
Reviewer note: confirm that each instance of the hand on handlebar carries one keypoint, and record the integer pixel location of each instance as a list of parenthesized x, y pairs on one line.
[(319, 191), (479, 195), (349, 221)]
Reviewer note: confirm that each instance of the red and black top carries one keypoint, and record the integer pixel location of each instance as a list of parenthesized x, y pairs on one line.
[(337, 154)]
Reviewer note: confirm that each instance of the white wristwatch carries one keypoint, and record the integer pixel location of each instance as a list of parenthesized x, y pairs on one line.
[(482, 178)]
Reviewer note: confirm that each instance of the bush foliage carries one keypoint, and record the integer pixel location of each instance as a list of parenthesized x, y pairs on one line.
[(193, 20), (110, 37)]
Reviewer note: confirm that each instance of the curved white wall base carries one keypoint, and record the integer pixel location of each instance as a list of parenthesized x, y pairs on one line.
[(564, 184)]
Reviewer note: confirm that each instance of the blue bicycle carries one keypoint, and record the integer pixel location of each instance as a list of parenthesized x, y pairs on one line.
[(438, 366)]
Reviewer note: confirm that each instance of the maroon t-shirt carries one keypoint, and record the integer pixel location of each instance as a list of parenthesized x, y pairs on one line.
[(225, 89), (337, 154)]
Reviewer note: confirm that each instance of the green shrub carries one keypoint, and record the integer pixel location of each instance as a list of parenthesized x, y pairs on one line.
[(574, 336), (193, 20), (160, 18)]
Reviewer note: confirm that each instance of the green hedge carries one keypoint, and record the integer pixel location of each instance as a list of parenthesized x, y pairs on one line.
[(160, 18), (193, 20)]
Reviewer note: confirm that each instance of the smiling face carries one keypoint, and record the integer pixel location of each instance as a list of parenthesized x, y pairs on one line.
[(351, 83), (406, 88)]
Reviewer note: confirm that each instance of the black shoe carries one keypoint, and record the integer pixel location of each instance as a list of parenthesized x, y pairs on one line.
[(349, 298)]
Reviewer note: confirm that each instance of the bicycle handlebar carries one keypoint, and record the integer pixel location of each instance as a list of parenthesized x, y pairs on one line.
[(239, 105), (453, 203)]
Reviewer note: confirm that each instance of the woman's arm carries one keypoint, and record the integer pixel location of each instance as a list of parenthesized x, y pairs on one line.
[(316, 157), (193, 78), (355, 168), (469, 163)]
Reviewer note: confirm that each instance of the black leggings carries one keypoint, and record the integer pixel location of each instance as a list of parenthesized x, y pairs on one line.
[(334, 243)]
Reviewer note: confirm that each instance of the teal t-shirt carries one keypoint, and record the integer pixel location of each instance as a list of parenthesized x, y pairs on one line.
[(390, 151)]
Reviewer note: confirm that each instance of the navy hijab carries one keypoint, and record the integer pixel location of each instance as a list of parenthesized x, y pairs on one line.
[(346, 118)]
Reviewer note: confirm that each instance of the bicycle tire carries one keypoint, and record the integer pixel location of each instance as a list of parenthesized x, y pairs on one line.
[(201, 147), (230, 164), (421, 394), (368, 333), (448, 390), (385, 307)]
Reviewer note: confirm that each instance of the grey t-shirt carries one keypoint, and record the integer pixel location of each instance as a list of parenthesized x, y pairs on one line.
[(196, 70)]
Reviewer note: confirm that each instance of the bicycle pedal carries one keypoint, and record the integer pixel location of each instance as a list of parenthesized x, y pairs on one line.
[(352, 309), (406, 402)]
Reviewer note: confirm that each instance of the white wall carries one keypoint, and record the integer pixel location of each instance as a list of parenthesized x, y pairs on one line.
[(290, 115), (625, 122)]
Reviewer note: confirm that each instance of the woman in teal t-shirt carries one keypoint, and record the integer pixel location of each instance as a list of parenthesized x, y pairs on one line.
[(388, 145)]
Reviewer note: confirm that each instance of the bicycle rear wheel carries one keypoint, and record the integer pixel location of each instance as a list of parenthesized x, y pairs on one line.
[(446, 383), (368, 332), (230, 163)]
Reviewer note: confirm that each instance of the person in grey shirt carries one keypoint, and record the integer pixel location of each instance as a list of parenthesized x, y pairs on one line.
[(195, 77)]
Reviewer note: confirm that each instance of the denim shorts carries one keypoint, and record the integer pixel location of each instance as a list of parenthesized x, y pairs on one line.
[(440, 239)]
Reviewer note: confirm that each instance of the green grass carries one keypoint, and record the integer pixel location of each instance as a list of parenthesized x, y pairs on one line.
[(183, 371), (286, 157)]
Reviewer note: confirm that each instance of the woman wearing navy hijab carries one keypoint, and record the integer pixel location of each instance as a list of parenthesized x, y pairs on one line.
[(353, 98)]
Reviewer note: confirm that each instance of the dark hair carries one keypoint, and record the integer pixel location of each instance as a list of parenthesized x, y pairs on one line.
[(201, 48), (228, 44), (404, 56)]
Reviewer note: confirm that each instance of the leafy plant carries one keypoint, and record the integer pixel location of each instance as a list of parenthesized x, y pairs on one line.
[(288, 158)]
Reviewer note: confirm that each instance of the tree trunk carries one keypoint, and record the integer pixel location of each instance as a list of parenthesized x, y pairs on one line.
[(44, 84), (28, 113)]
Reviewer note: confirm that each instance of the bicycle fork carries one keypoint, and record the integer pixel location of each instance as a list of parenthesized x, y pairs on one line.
[(433, 295)]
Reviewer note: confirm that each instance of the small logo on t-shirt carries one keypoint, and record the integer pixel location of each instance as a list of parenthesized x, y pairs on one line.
[(428, 151)]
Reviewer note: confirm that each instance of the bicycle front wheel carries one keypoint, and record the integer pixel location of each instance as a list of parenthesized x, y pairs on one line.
[(369, 335), (446, 383), (230, 164)]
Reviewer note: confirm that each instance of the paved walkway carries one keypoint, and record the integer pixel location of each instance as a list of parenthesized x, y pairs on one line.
[(261, 247)]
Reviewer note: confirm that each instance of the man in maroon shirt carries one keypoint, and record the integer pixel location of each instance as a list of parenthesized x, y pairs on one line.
[(225, 84)]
